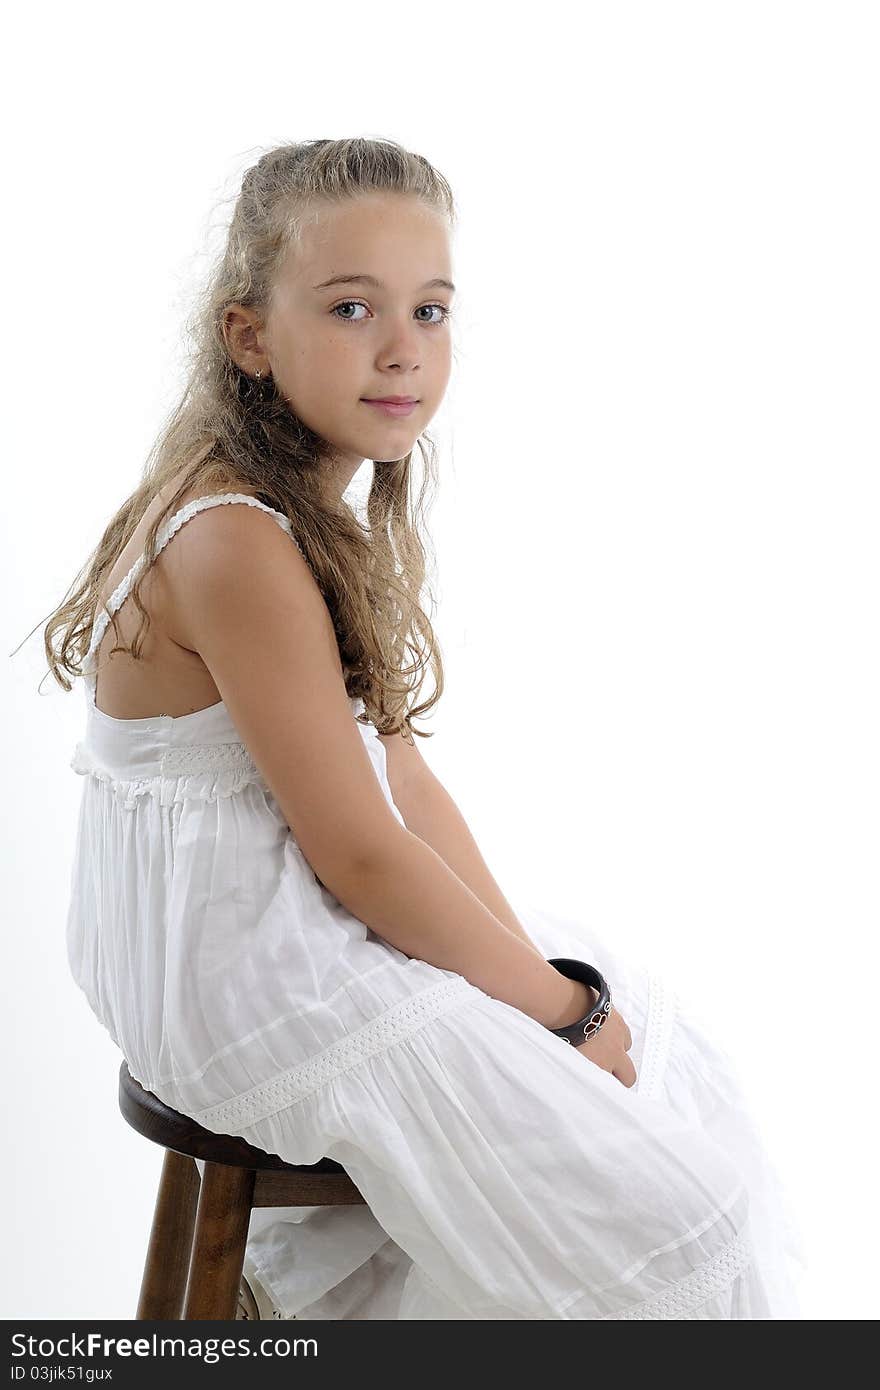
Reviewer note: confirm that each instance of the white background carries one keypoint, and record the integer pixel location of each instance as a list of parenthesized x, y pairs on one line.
[(656, 531)]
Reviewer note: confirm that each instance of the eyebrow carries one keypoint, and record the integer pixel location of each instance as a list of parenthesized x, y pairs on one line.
[(437, 283)]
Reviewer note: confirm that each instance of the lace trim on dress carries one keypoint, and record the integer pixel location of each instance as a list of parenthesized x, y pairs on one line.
[(391, 1027), (662, 1010), (190, 772), (192, 758), (686, 1295)]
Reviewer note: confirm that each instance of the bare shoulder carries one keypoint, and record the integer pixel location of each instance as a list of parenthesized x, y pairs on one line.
[(192, 542), (231, 559)]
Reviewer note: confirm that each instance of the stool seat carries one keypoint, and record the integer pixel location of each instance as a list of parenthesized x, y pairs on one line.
[(158, 1122), (200, 1224)]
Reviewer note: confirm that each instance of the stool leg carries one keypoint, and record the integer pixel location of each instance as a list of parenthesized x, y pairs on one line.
[(222, 1223), (165, 1270)]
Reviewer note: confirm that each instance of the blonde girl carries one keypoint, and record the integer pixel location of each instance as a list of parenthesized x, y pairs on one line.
[(278, 912)]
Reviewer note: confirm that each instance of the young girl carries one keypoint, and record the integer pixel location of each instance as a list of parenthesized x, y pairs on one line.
[(277, 910)]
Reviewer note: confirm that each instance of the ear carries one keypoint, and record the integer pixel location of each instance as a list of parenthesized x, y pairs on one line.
[(242, 334)]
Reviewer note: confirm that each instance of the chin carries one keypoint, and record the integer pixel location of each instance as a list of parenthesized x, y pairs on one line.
[(395, 457)]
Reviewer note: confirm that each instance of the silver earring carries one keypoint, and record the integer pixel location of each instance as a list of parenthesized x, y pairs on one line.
[(258, 374)]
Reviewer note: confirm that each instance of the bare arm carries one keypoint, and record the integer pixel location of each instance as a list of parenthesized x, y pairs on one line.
[(244, 598), (430, 812)]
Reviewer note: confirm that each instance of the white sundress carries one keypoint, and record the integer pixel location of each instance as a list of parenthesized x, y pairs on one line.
[(506, 1175)]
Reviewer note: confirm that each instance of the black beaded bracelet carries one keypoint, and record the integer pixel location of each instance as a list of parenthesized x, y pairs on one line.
[(588, 1026)]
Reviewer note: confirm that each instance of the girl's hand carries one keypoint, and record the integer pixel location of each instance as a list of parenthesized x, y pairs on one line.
[(609, 1047)]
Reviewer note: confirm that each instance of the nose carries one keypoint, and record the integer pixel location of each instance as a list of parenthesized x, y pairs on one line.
[(402, 348)]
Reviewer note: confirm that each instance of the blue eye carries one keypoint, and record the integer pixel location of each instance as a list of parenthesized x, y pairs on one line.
[(446, 312)]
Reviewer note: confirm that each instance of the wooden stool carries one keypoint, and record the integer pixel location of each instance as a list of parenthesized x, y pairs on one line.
[(200, 1226)]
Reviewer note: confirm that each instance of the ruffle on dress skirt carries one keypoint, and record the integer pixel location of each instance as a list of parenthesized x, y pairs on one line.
[(507, 1177)]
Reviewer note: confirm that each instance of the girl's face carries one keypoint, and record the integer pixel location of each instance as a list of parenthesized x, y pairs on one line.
[(330, 346)]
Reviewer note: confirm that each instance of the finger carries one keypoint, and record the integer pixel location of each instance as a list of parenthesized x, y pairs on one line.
[(625, 1072)]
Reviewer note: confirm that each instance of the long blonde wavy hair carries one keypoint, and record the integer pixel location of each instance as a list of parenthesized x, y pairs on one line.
[(232, 433)]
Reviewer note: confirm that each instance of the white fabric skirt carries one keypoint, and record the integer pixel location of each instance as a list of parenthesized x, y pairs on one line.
[(508, 1177)]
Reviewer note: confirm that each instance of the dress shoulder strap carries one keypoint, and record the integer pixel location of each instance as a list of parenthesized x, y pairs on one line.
[(168, 529)]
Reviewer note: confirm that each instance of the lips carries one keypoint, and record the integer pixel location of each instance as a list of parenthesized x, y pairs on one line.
[(390, 400), (396, 409)]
